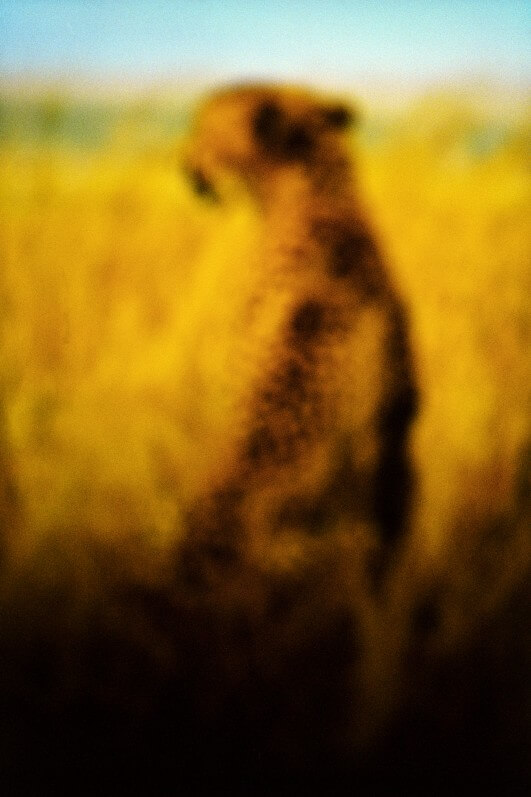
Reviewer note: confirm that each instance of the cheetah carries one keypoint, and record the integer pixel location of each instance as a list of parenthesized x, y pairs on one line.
[(324, 420)]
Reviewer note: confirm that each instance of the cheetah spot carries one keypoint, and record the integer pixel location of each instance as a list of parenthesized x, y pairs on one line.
[(261, 444), (298, 142), (294, 380), (348, 253), (279, 136), (308, 320)]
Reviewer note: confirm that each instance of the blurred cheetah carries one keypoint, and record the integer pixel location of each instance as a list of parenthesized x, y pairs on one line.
[(322, 439)]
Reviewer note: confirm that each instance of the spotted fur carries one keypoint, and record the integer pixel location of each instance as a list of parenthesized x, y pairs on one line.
[(337, 396)]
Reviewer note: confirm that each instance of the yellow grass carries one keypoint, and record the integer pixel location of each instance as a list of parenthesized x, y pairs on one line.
[(112, 271)]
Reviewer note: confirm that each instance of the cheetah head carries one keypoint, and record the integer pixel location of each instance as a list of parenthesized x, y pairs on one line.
[(252, 131)]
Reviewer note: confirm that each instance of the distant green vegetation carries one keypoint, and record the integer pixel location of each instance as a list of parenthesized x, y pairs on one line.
[(87, 124)]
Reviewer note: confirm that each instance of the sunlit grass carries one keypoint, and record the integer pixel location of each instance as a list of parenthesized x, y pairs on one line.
[(113, 273)]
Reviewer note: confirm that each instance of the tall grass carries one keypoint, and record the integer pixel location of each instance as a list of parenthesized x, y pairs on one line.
[(112, 271)]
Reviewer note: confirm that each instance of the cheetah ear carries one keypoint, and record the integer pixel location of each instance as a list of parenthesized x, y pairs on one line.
[(339, 116), (278, 135)]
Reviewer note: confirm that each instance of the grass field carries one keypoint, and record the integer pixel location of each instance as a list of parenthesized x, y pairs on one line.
[(111, 273), (117, 290)]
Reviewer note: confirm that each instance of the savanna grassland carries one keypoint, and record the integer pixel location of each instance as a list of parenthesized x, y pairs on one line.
[(112, 271), (117, 290)]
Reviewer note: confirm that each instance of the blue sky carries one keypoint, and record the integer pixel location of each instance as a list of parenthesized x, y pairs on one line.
[(409, 41)]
